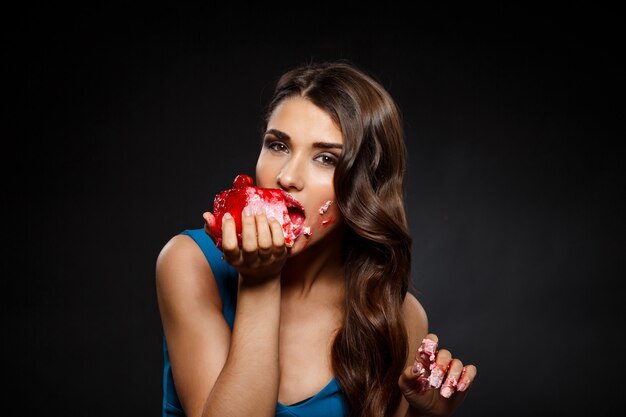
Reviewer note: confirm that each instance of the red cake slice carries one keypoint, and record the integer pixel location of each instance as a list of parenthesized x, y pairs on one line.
[(277, 203)]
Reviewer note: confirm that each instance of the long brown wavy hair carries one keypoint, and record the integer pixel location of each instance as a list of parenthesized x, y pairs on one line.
[(370, 350)]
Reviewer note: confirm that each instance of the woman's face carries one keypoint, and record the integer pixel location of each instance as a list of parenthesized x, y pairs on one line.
[(300, 149)]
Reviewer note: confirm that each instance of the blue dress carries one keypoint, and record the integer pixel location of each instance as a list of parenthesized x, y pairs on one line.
[(329, 402)]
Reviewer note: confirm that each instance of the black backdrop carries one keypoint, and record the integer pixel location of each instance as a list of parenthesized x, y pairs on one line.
[(122, 122)]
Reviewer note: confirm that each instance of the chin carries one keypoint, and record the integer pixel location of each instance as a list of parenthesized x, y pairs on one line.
[(319, 240)]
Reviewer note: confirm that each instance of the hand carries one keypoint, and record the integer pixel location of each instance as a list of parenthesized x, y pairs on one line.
[(436, 384), (262, 253)]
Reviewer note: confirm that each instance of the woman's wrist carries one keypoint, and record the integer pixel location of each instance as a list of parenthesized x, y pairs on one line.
[(268, 283)]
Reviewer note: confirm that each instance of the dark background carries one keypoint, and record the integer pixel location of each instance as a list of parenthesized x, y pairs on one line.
[(122, 122)]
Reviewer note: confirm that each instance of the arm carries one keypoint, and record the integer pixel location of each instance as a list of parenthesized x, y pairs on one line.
[(443, 396), (248, 383), (416, 322), (216, 372), (197, 334)]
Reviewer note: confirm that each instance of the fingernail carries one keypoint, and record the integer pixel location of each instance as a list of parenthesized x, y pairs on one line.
[(418, 368), (227, 216), (462, 385), (247, 211), (446, 392)]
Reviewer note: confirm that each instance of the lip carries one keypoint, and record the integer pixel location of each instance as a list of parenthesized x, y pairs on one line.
[(296, 212), (291, 201)]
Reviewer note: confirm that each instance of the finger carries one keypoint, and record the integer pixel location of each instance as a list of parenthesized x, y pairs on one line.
[(209, 224), (439, 368), (466, 378), (433, 337), (249, 244), (230, 246), (264, 237), (413, 380), (278, 237), (428, 349), (454, 373)]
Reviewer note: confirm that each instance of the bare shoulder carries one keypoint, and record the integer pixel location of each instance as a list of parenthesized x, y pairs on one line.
[(414, 314), (182, 270), (416, 320), (178, 250)]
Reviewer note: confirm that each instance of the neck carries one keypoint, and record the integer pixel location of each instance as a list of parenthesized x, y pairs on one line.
[(317, 266)]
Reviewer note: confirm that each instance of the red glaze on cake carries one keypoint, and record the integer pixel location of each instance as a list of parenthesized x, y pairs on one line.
[(277, 203)]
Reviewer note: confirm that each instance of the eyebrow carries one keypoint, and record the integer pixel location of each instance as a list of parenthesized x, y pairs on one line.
[(320, 145)]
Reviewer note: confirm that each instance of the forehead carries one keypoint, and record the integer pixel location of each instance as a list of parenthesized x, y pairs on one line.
[(301, 119)]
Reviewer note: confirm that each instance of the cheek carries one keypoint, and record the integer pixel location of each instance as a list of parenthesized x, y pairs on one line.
[(265, 172), (328, 215), (322, 226)]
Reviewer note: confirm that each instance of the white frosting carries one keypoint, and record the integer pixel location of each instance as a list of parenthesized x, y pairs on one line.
[(436, 377), (324, 208), (448, 386)]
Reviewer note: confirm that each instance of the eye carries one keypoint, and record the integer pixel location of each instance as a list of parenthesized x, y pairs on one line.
[(327, 159), (276, 146)]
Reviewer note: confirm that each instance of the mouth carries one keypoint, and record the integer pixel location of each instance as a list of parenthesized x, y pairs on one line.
[(296, 213)]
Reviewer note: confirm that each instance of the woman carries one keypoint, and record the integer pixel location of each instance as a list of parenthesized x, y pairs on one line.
[(326, 326)]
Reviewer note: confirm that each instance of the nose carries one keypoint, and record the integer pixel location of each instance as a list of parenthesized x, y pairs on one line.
[(291, 176)]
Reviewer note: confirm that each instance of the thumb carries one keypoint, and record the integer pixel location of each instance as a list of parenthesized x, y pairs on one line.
[(413, 383)]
